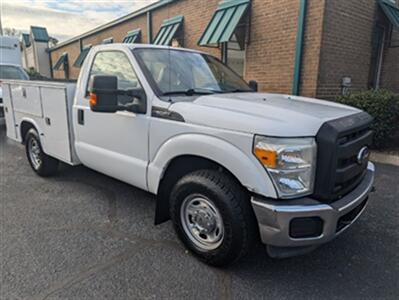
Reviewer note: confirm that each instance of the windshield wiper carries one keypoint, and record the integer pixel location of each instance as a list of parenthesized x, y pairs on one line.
[(191, 92)]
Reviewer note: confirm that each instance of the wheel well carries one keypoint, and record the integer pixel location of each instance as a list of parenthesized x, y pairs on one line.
[(175, 170), (25, 126)]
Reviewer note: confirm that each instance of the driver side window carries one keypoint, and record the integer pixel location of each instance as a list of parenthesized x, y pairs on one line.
[(115, 63)]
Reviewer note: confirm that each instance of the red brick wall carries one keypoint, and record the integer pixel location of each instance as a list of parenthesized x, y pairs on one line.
[(311, 47), (346, 48), (269, 56), (119, 32), (197, 14), (337, 43), (73, 51), (346, 45)]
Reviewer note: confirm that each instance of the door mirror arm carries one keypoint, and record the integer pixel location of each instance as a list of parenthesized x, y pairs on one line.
[(131, 107)]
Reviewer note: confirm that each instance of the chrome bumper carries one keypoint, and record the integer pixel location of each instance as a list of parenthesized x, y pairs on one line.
[(274, 216)]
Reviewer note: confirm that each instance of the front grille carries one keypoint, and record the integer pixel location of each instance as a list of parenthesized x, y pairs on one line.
[(339, 142), (348, 218)]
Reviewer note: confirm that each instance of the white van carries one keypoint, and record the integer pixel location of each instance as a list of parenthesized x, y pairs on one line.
[(10, 51), (10, 63)]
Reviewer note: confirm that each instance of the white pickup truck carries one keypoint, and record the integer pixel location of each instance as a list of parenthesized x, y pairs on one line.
[(229, 165)]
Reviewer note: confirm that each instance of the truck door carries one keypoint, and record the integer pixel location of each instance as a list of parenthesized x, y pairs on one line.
[(115, 144)]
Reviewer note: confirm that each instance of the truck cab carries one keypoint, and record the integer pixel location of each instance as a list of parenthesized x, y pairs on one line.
[(229, 165)]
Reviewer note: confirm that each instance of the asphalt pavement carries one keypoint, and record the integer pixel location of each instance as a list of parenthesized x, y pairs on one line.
[(83, 235)]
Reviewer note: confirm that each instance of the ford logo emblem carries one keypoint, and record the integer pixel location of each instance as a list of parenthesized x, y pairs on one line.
[(363, 155)]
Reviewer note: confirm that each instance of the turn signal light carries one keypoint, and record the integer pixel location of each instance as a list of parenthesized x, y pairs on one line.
[(93, 99), (267, 157)]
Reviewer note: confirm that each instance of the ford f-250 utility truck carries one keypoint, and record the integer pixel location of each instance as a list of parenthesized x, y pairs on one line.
[(229, 165)]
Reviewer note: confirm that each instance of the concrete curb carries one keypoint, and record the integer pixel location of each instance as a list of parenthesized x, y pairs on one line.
[(385, 158)]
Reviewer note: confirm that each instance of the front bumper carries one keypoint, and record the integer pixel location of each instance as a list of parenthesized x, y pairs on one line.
[(275, 216)]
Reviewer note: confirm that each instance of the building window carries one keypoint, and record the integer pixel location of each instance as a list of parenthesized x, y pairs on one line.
[(234, 56), (82, 56), (229, 27), (377, 56), (132, 37), (171, 29), (62, 64)]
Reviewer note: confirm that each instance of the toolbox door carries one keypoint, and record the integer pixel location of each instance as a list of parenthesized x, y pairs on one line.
[(9, 113), (56, 135)]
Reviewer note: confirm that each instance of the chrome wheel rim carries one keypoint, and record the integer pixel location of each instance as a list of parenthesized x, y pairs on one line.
[(34, 153), (202, 222)]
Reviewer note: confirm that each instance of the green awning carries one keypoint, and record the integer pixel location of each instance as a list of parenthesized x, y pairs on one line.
[(168, 31), (61, 62), (39, 34), (391, 11), (224, 22), (81, 58), (108, 41), (132, 37)]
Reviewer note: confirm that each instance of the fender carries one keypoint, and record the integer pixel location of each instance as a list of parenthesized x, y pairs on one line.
[(246, 169), (35, 125)]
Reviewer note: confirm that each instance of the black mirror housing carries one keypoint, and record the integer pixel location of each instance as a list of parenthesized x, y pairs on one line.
[(104, 94), (253, 85)]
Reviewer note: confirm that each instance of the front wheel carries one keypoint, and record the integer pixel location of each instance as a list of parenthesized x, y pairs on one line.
[(213, 217), (40, 162)]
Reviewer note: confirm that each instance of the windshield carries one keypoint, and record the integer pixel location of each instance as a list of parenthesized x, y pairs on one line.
[(11, 72), (188, 73)]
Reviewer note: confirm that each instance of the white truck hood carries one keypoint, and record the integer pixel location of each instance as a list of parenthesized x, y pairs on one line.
[(260, 113)]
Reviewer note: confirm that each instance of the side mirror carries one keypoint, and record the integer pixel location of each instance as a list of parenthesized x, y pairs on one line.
[(104, 94), (253, 85)]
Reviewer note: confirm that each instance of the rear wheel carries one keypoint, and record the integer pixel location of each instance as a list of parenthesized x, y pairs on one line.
[(213, 217), (40, 162)]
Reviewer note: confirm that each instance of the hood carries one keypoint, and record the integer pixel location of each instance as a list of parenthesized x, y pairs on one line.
[(260, 113)]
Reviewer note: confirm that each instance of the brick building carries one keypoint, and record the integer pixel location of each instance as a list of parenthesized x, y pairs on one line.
[(318, 48)]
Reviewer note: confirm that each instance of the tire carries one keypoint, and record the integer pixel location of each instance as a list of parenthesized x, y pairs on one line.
[(41, 163), (217, 242)]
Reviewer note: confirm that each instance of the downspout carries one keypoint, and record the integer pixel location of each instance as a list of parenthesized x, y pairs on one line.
[(51, 64), (149, 27), (299, 47)]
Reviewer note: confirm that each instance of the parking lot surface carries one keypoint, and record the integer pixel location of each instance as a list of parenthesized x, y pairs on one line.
[(83, 235)]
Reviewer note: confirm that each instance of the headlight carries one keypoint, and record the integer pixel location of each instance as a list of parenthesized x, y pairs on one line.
[(290, 162)]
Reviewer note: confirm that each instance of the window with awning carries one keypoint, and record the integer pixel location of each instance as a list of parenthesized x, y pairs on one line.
[(132, 37), (225, 22), (170, 29), (108, 41), (391, 11), (62, 62), (26, 39), (79, 61)]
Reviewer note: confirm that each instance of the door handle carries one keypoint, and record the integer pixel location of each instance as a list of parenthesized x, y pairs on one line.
[(81, 117)]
